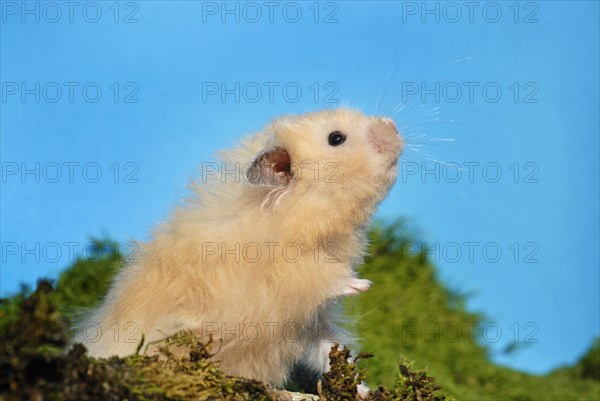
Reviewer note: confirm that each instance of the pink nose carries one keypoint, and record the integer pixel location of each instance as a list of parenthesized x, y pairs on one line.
[(389, 122), (384, 136)]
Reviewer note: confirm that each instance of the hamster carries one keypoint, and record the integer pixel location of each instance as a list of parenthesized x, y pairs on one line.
[(259, 255)]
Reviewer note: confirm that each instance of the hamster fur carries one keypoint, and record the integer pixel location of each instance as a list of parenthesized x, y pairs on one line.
[(258, 259)]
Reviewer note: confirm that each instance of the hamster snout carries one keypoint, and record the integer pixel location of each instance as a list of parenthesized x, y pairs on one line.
[(389, 121), (385, 138)]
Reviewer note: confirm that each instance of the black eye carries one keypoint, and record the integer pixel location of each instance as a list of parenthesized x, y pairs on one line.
[(336, 138)]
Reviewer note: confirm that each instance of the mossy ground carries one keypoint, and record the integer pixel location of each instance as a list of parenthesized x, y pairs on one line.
[(37, 364), (406, 294)]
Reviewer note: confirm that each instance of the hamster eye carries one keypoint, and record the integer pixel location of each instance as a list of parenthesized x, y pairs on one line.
[(336, 138)]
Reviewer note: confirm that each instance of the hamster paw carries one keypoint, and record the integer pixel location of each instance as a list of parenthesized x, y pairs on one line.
[(356, 286)]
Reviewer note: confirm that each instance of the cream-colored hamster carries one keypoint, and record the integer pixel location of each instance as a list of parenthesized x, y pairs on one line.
[(261, 252)]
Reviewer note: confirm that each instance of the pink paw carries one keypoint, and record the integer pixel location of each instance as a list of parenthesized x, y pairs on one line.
[(356, 286)]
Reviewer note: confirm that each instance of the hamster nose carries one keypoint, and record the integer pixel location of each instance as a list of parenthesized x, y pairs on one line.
[(384, 136), (389, 122)]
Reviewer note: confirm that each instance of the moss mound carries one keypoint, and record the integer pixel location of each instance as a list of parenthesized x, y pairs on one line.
[(36, 366)]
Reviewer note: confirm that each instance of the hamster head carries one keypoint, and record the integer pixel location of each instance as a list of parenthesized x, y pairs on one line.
[(331, 166)]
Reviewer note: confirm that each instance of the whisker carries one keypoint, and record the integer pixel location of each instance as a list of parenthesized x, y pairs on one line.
[(398, 109), (420, 124), (393, 107), (421, 139), (456, 61), (387, 84), (426, 156)]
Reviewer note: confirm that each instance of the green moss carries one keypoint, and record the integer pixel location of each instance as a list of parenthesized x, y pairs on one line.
[(340, 383), (34, 366)]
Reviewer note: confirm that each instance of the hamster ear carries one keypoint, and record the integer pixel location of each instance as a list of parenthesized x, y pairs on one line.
[(271, 167)]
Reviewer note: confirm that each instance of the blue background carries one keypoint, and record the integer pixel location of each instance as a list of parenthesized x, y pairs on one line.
[(362, 54)]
